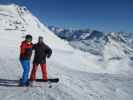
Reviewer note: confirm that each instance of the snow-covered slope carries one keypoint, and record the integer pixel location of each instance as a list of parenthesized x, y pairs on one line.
[(78, 71)]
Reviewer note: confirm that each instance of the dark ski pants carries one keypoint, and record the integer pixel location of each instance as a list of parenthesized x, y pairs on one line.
[(26, 68), (34, 69)]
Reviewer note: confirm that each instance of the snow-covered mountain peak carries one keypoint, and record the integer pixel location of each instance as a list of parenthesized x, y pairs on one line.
[(116, 36), (13, 10), (16, 18), (116, 47)]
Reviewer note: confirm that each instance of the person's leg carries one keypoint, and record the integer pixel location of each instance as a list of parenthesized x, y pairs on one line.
[(33, 72), (26, 69), (44, 72)]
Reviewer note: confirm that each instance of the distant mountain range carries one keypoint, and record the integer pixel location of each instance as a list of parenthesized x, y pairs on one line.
[(94, 41)]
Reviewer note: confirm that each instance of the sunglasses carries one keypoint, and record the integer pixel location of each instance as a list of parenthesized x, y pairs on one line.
[(29, 40)]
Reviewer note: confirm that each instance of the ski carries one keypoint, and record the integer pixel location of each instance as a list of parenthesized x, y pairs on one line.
[(51, 80)]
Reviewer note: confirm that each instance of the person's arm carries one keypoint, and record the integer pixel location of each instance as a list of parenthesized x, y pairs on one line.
[(49, 51), (22, 48)]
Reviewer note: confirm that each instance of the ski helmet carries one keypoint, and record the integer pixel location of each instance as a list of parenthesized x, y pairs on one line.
[(28, 38)]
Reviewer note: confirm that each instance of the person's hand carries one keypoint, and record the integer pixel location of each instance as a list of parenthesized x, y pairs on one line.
[(48, 56)]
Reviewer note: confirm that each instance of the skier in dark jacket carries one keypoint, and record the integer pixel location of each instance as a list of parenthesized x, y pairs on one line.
[(25, 55), (41, 52)]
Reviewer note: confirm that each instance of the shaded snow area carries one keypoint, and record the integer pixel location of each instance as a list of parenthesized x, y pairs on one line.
[(83, 76)]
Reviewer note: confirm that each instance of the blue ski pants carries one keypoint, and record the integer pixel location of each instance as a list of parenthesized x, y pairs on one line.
[(26, 68)]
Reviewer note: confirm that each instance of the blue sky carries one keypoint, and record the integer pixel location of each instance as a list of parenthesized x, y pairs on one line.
[(103, 15)]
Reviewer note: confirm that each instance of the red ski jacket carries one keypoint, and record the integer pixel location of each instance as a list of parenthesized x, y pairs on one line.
[(25, 51)]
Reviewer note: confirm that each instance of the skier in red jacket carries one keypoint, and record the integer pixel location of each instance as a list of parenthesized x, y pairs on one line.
[(25, 56)]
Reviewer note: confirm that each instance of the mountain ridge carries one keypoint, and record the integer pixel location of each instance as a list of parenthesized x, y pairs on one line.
[(91, 40)]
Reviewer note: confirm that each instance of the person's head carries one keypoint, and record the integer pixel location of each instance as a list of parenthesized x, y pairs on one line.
[(40, 39), (28, 38)]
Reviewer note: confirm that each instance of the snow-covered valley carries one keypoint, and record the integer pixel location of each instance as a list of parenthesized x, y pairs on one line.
[(83, 76)]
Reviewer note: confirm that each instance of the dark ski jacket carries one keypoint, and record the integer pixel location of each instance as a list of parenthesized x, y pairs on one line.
[(25, 51), (41, 52)]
